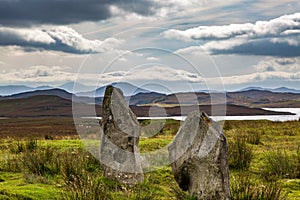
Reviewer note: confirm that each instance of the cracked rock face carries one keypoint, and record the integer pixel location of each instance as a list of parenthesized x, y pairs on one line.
[(119, 153), (199, 158)]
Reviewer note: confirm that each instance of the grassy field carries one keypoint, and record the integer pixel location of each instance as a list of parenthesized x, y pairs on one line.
[(44, 159)]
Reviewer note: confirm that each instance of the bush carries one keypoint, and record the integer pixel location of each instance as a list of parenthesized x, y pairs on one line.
[(243, 188), (279, 164), (240, 154)]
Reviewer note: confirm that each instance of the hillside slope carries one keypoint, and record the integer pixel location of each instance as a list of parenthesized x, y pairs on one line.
[(54, 106)]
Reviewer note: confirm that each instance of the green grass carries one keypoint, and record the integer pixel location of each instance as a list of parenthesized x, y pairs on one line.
[(71, 172), (14, 186)]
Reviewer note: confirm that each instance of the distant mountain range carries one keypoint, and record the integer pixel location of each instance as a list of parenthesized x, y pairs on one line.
[(250, 97), (280, 89), (75, 88), (127, 88), (47, 101), (15, 89)]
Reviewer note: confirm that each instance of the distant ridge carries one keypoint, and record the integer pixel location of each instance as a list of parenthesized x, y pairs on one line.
[(69, 87), (13, 89), (127, 88), (285, 90), (7, 90), (55, 92), (249, 98), (279, 90), (52, 92)]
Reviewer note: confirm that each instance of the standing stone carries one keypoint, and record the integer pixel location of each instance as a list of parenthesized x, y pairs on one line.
[(199, 158), (119, 153)]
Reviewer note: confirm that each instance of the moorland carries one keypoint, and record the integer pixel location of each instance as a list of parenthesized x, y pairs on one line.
[(43, 158)]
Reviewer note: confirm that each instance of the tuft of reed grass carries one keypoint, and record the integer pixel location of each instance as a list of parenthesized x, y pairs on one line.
[(280, 164), (244, 188), (11, 164), (42, 162), (85, 186), (240, 154), (253, 137), (20, 147), (72, 164)]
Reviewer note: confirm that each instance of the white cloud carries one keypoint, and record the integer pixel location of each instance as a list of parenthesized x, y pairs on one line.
[(175, 6), (42, 74), (207, 47), (278, 64), (269, 69), (153, 58), (54, 74), (284, 25), (259, 77), (289, 41), (210, 32), (248, 38), (151, 73), (57, 38)]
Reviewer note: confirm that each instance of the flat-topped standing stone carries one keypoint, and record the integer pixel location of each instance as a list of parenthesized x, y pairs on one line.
[(199, 158), (119, 153)]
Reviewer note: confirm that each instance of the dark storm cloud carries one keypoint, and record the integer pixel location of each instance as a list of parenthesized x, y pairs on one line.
[(26, 12)]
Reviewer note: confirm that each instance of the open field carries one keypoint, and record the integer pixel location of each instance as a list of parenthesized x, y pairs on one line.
[(264, 160)]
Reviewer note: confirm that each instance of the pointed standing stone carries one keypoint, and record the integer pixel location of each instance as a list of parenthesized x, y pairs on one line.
[(199, 158), (119, 153)]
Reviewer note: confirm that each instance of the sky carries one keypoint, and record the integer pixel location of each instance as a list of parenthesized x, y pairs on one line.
[(171, 45)]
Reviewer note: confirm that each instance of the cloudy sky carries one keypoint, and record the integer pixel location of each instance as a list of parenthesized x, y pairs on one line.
[(172, 45)]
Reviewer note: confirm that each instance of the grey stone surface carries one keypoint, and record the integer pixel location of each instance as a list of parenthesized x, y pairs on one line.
[(119, 152), (199, 158)]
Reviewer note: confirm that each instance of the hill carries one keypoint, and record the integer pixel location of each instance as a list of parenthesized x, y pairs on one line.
[(55, 106), (41, 106), (56, 92), (52, 92), (260, 99), (280, 89), (250, 98)]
